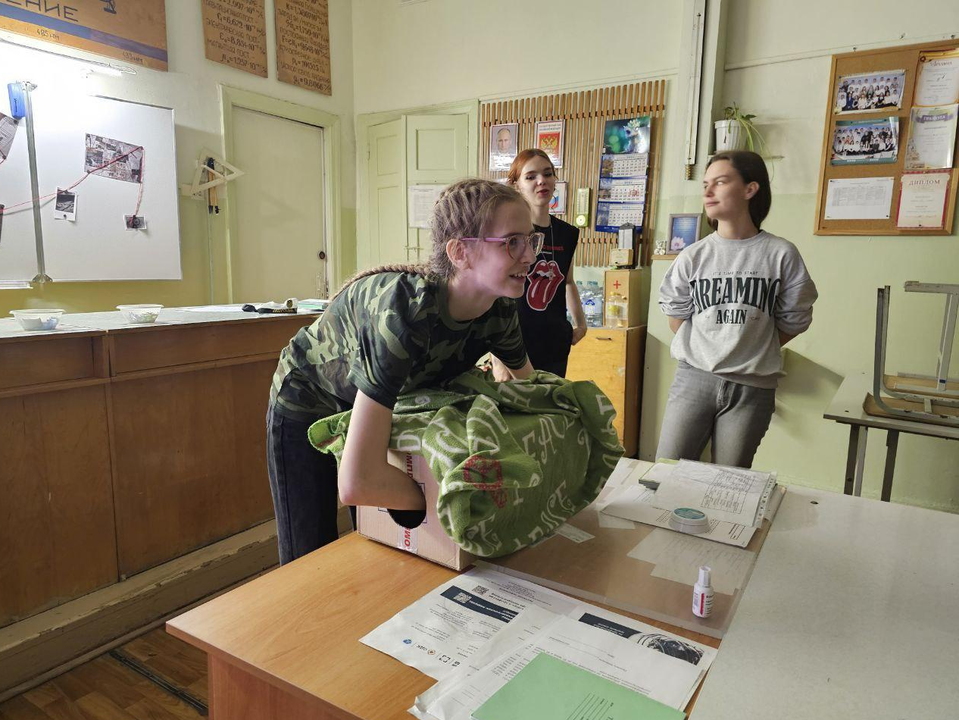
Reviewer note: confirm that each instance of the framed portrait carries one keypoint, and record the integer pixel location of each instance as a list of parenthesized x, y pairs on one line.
[(549, 139), (684, 229), (503, 140), (557, 204)]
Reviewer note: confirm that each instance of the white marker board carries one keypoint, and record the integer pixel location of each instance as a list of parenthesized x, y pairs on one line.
[(97, 245)]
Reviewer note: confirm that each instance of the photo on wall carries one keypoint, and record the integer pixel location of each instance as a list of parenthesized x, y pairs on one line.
[(503, 140), (865, 92), (684, 229), (557, 204), (65, 206), (549, 139), (865, 142), (629, 137)]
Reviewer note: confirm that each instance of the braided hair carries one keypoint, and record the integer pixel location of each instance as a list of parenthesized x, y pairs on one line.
[(464, 209)]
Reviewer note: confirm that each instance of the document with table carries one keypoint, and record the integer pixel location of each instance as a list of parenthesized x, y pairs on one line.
[(478, 630), (734, 500)]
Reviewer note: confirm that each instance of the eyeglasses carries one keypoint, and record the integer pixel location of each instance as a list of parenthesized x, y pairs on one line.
[(516, 244)]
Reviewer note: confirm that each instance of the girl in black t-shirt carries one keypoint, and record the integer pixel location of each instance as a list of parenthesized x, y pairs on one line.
[(550, 288)]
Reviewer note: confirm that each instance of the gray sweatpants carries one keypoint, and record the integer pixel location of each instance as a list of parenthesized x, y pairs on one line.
[(703, 406)]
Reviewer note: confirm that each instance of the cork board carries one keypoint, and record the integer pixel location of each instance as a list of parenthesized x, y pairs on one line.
[(303, 44), (585, 114), (906, 57), (134, 32), (234, 34)]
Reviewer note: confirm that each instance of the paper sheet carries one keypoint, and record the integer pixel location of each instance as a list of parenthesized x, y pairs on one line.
[(722, 493), (932, 138), (677, 557), (573, 533), (859, 199), (938, 79), (422, 198), (922, 202), (666, 679), (441, 631)]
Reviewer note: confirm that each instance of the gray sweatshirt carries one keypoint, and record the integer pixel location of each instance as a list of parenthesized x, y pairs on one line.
[(735, 295)]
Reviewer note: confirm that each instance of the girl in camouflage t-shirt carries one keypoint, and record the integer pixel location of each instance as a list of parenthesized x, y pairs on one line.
[(390, 330)]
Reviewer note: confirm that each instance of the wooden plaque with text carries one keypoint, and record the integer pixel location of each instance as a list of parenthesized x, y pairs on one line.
[(303, 44), (234, 34)]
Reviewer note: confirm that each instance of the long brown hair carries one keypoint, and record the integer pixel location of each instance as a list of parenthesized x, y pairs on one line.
[(751, 168), (523, 157), (464, 209)]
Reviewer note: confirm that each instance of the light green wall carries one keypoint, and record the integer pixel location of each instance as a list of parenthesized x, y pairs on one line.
[(191, 87), (777, 65)]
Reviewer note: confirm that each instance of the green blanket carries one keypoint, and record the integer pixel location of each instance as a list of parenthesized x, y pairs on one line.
[(513, 460)]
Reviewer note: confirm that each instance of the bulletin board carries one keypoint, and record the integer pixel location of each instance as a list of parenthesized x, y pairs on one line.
[(907, 58), (584, 114), (96, 244)]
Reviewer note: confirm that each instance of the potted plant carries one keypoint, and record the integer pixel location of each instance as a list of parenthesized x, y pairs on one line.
[(736, 131)]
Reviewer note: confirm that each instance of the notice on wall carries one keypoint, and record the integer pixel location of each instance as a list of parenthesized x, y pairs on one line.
[(859, 199), (234, 33), (922, 202), (303, 44), (134, 32)]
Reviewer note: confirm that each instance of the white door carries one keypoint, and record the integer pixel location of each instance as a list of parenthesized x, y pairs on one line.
[(437, 153), (386, 170), (280, 248)]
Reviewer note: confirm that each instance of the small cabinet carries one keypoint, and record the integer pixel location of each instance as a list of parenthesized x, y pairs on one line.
[(613, 359)]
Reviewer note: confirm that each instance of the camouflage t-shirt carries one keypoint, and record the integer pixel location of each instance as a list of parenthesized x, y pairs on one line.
[(387, 334)]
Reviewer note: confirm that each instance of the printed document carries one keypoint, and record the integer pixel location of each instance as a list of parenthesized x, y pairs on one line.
[(666, 679), (723, 493)]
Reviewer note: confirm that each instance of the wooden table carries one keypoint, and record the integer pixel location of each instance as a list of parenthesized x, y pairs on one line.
[(846, 408), (286, 645)]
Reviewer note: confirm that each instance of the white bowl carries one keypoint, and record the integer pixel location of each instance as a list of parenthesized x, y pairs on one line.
[(38, 319), (140, 313)]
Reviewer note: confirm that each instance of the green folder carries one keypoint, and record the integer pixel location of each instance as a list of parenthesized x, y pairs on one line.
[(550, 689)]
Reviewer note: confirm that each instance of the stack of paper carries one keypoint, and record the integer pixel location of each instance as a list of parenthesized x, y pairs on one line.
[(477, 631), (549, 688), (734, 500)]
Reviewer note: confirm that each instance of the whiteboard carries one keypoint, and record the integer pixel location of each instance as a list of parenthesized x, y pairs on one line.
[(97, 245)]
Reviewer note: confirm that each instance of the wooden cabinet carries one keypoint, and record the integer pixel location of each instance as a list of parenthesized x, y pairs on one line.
[(124, 447), (613, 359)]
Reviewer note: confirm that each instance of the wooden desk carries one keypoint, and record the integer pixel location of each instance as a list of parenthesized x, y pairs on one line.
[(846, 408), (850, 613), (286, 645)]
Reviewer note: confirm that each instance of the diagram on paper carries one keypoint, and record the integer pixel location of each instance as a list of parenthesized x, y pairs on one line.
[(114, 159)]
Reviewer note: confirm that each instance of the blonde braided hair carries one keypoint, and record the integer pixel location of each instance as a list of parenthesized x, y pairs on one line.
[(464, 209)]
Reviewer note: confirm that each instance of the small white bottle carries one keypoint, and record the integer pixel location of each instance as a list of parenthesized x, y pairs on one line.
[(703, 594)]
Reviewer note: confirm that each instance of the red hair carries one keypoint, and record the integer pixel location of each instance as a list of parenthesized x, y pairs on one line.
[(521, 159)]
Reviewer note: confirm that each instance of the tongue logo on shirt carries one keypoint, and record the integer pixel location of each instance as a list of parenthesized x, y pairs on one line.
[(544, 280)]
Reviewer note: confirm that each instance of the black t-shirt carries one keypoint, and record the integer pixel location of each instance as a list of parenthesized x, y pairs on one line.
[(547, 333)]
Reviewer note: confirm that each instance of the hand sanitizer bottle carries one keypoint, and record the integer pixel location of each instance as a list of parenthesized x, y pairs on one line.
[(703, 594)]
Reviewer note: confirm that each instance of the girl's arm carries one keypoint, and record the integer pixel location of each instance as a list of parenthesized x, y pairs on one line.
[(675, 323), (501, 373), (365, 477), (575, 306)]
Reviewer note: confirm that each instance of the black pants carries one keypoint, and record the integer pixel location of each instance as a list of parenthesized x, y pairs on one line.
[(303, 484)]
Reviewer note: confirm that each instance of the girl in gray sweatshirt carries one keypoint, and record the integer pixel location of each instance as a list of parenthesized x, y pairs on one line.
[(733, 299)]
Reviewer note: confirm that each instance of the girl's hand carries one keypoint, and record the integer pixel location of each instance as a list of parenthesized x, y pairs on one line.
[(579, 332)]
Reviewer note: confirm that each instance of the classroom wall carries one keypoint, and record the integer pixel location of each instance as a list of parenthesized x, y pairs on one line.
[(191, 87), (777, 65)]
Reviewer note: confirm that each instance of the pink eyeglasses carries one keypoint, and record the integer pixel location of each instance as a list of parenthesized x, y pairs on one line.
[(516, 244)]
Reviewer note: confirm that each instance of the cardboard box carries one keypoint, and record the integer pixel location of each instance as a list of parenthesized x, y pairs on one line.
[(628, 283), (429, 540)]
